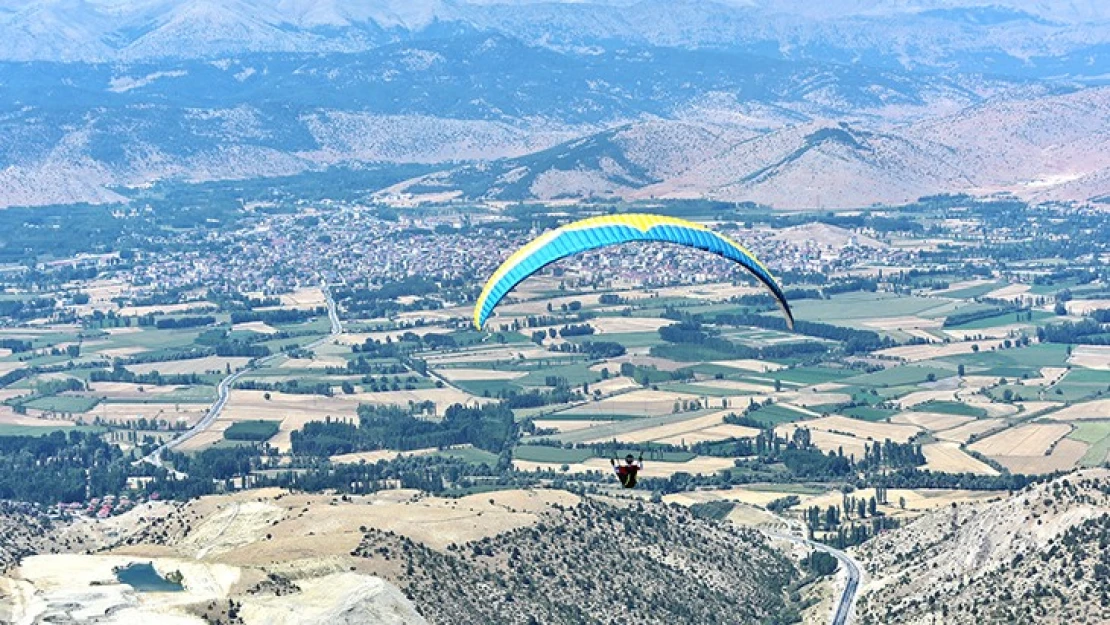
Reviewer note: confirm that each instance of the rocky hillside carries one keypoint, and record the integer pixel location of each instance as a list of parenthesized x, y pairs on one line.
[(596, 562), (1038, 556)]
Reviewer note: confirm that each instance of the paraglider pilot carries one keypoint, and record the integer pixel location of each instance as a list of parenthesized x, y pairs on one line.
[(626, 472)]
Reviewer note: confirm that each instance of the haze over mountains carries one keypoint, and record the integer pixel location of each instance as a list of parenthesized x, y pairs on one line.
[(789, 104)]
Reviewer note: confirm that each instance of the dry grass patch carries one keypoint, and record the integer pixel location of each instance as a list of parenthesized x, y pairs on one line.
[(569, 426), (1091, 357), (639, 402), (934, 422), (748, 364), (965, 432), (863, 429), (949, 458), (1097, 409), (626, 325), (9, 417), (370, 457), (259, 327), (1026, 440), (174, 413), (1065, 456), (469, 375), (914, 353)]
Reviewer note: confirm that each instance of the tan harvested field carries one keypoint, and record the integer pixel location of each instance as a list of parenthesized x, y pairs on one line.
[(963, 433), (640, 402), (9, 417), (489, 354), (914, 353), (863, 429), (120, 352), (1026, 440), (1037, 407), (370, 457), (995, 332), (1091, 357), (903, 323), (748, 364), (312, 363), (949, 458), (700, 465), (719, 291), (1065, 455), (12, 393), (260, 327), (735, 385), (920, 397), (810, 397), (614, 385), (192, 365), (828, 441), (1086, 306), (931, 421), (174, 413), (1009, 292), (569, 426), (625, 325), (1097, 409), (715, 433), (706, 427), (168, 309), (127, 390), (311, 297), (467, 375), (9, 366)]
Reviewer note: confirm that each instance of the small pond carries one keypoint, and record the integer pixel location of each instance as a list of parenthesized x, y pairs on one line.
[(142, 577)]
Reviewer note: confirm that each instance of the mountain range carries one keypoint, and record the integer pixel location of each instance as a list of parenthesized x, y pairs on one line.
[(789, 104)]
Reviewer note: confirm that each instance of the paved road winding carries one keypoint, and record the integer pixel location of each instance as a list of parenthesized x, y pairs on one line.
[(223, 389), (843, 611)]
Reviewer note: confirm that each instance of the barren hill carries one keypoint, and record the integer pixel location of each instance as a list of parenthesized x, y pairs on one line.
[(1038, 556), (268, 556)]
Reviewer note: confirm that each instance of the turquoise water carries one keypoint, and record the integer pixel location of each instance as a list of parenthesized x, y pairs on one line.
[(142, 577)]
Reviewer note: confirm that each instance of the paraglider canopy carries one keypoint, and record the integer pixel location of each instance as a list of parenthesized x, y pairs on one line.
[(607, 230)]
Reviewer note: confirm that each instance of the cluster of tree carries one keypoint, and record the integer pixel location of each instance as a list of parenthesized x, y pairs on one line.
[(490, 427), (257, 431), (959, 319), (241, 349), (171, 323), (595, 350), (535, 398), (892, 455), (851, 285), (293, 387), (20, 310), (60, 467), (1085, 332), (154, 378), (281, 315), (16, 345), (569, 330), (362, 365)]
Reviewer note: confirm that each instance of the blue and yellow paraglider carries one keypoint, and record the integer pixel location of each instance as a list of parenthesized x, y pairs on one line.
[(607, 230)]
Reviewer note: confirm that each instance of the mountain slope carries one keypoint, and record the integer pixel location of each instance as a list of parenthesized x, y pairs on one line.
[(1038, 556)]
